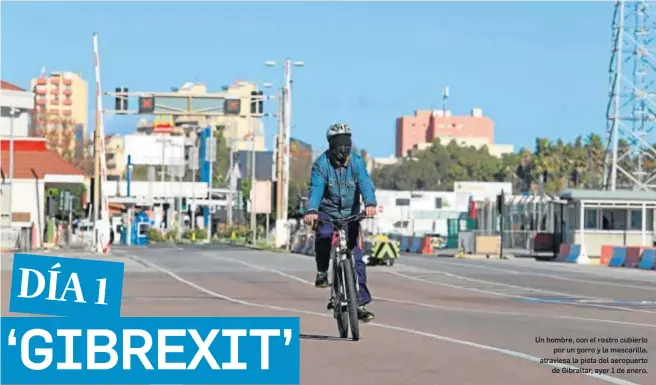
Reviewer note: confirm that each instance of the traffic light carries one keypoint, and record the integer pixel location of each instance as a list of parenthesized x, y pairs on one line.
[(253, 102), (232, 106), (260, 103), (121, 101), (184, 204), (146, 104)]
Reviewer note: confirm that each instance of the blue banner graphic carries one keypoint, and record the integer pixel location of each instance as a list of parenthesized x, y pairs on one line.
[(69, 287), (150, 350)]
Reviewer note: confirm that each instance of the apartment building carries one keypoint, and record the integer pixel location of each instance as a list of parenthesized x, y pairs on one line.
[(16, 104), (115, 155), (61, 108), (419, 131)]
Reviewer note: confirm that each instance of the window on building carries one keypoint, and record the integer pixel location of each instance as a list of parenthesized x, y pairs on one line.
[(438, 203), (402, 202), (591, 220), (635, 219), (614, 219)]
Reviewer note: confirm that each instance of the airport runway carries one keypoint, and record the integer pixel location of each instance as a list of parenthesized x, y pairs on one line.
[(439, 321)]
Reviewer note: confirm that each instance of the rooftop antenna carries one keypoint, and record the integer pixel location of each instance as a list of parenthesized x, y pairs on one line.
[(445, 99)]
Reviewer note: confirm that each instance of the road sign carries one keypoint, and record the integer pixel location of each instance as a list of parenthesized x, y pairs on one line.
[(210, 150), (193, 158)]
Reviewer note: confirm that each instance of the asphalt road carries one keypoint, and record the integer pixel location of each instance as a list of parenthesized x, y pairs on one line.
[(439, 320)]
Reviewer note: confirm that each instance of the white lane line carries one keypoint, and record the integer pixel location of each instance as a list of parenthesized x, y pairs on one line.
[(503, 294), (497, 293), (420, 304), (535, 274), (511, 353), (589, 270)]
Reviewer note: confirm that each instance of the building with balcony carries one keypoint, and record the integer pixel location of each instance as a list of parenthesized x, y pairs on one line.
[(61, 109), (16, 105), (421, 130), (115, 155), (235, 128)]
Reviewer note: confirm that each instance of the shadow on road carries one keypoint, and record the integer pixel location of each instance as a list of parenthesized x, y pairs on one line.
[(323, 338)]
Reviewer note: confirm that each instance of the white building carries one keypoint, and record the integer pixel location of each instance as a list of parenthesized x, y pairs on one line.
[(416, 212), (16, 105), (35, 170)]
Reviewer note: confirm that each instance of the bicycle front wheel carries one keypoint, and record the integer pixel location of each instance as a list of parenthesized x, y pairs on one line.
[(351, 298), (341, 316)]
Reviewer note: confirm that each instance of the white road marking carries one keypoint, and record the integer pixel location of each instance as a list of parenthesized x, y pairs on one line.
[(535, 274), (509, 295), (511, 353), (420, 304)]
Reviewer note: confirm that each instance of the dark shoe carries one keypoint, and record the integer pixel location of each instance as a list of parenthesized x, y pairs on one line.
[(365, 315), (330, 305), (322, 280)]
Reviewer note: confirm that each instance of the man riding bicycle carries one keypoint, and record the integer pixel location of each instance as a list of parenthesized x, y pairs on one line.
[(338, 179)]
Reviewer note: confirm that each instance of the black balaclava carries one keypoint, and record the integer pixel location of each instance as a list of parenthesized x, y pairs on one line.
[(340, 148)]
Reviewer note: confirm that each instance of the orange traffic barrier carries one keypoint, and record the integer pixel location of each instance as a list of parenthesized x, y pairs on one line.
[(427, 249), (563, 253), (606, 254)]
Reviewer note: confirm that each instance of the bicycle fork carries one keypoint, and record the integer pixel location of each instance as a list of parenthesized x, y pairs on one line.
[(343, 300)]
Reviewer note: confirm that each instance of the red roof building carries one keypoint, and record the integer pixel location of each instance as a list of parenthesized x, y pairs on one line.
[(35, 170), (10, 87)]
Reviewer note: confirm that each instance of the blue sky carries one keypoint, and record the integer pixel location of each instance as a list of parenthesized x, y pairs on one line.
[(537, 69)]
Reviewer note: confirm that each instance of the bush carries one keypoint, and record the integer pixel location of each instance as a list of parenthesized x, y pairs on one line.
[(201, 234), (155, 235), (172, 235)]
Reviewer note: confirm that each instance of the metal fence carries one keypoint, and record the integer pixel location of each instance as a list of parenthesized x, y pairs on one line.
[(16, 239)]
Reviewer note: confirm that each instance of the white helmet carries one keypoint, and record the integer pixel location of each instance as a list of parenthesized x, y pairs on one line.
[(338, 129)]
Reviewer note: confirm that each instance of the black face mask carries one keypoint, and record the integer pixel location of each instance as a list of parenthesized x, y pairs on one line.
[(340, 148)]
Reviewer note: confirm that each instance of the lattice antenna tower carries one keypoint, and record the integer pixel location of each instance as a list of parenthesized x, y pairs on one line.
[(631, 110)]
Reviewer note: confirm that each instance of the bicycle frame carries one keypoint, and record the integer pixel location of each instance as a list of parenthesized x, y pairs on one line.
[(340, 255)]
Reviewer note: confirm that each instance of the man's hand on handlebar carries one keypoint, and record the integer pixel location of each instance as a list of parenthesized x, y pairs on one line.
[(370, 211), (311, 219)]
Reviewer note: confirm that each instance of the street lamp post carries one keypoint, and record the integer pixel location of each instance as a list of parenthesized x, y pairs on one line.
[(13, 114), (253, 192), (284, 135)]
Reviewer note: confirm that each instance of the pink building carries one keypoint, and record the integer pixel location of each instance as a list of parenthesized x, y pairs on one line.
[(425, 126)]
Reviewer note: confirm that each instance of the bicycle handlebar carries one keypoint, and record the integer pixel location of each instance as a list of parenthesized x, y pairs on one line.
[(341, 221)]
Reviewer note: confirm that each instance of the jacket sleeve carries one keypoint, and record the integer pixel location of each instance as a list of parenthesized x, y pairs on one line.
[(317, 187), (366, 184)]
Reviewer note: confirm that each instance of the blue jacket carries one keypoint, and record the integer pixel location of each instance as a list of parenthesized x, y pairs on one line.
[(336, 191)]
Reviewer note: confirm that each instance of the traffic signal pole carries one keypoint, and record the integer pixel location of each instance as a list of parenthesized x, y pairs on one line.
[(155, 103)]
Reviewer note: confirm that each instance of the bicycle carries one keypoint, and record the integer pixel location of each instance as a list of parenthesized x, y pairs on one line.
[(344, 293)]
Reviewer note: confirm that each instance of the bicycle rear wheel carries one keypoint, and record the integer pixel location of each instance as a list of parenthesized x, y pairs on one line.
[(338, 299), (352, 298)]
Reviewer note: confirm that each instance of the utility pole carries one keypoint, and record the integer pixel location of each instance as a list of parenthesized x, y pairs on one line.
[(163, 180), (13, 113), (210, 154), (230, 176), (181, 173), (193, 165), (282, 231), (253, 179), (279, 156)]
